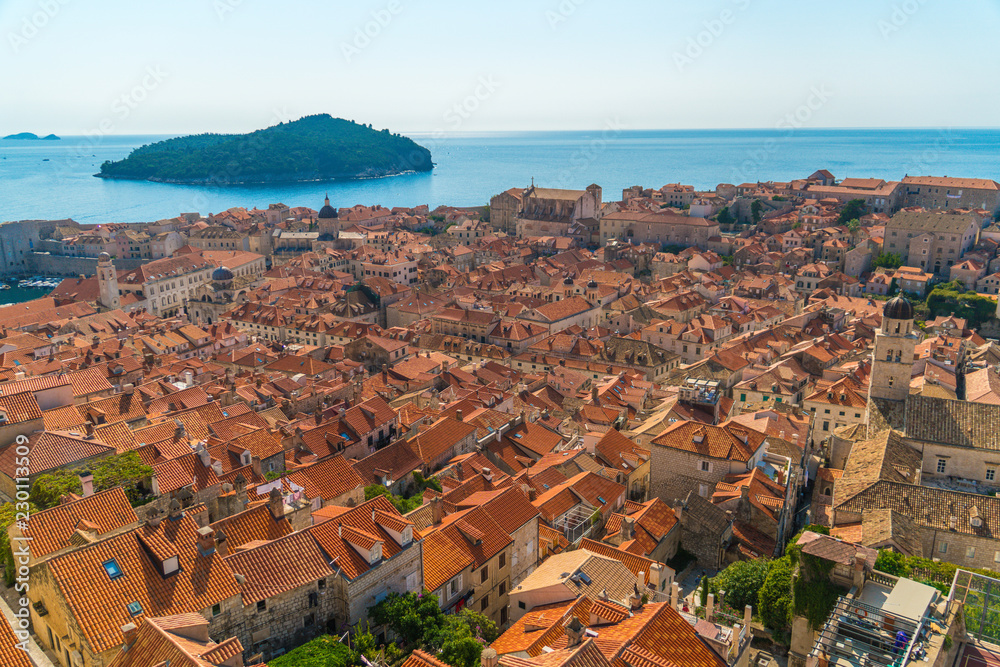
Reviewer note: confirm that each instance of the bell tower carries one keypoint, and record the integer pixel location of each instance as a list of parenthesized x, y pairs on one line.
[(107, 280), (892, 360)]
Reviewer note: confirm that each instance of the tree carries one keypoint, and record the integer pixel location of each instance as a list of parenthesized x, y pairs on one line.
[(8, 514), (775, 596), (888, 260), (892, 562), (742, 581), (419, 622), (756, 209), (725, 217), (325, 651), (852, 209), (125, 470), (50, 487)]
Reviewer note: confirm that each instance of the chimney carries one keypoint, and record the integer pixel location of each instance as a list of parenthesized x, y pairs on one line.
[(129, 632), (859, 569), (153, 517), (635, 600), (385, 374), (593, 395), (437, 510), (710, 608), (488, 474), (458, 470), (458, 414), (747, 616), (206, 541), (574, 632), (276, 505), (675, 594), (255, 466), (679, 511), (627, 529), (87, 482), (175, 510), (489, 658), (532, 494), (221, 545)]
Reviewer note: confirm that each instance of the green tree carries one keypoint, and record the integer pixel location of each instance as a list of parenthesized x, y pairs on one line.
[(125, 470), (725, 217), (852, 209), (775, 597), (742, 581), (888, 260), (756, 210), (892, 562), (9, 514), (325, 651), (50, 487)]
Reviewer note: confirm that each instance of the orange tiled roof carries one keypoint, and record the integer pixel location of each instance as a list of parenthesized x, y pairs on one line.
[(99, 602), (302, 562), (53, 529)]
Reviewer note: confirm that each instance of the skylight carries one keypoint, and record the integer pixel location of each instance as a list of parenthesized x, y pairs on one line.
[(112, 568), (602, 500), (134, 608)]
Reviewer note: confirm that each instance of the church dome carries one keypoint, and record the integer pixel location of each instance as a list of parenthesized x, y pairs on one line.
[(104, 257), (898, 308), (222, 274), (327, 212)]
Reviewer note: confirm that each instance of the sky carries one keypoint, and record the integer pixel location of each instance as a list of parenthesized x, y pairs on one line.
[(443, 66)]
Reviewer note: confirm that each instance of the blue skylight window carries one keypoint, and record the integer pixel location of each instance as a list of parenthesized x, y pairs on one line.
[(112, 568), (134, 608), (602, 500)]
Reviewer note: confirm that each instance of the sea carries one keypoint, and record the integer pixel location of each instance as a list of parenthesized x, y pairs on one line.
[(55, 179)]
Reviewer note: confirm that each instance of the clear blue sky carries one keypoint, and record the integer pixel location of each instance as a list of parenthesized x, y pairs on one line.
[(236, 65)]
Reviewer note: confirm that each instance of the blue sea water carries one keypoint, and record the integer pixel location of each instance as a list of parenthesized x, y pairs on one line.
[(54, 179)]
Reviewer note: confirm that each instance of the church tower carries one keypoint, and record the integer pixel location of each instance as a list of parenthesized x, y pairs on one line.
[(895, 343), (329, 221), (107, 280)]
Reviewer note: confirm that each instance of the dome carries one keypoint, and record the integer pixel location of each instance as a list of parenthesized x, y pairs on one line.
[(327, 212), (568, 281), (898, 308), (592, 284), (104, 257), (222, 274)]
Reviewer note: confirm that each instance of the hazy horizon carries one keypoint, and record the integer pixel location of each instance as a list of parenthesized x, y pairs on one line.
[(233, 66)]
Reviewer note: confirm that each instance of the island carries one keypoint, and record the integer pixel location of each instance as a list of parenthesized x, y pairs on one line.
[(313, 148), (28, 136)]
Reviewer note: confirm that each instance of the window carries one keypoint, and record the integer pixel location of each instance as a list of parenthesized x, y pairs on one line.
[(703, 490), (704, 466), (261, 606), (134, 608), (313, 599), (453, 586), (411, 582), (503, 588), (941, 466), (991, 474), (322, 584), (484, 604), (112, 569), (826, 426), (484, 574), (943, 548), (310, 620), (970, 552), (502, 560), (216, 609)]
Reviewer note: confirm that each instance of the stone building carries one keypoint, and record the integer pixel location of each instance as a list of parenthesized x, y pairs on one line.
[(660, 228), (552, 212), (944, 192), (694, 457), (932, 241), (892, 360), (504, 208)]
